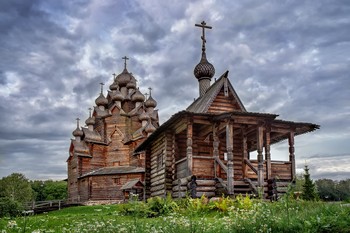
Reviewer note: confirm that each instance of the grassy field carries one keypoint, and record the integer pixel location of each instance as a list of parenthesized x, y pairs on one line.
[(190, 215)]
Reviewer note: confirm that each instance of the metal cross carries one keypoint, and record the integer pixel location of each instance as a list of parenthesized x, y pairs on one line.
[(114, 76), (125, 58), (146, 94), (90, 112), (203, 25), (150, 91), (102, 87)]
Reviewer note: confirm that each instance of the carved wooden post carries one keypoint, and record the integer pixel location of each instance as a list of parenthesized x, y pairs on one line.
[(229, 148), (267, 153), (189, 149), (291, 153), (260, 157), (215, 149), (245, 156)]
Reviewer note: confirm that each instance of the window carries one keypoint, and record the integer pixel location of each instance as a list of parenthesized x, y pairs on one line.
[(160, 160), (117, 181)]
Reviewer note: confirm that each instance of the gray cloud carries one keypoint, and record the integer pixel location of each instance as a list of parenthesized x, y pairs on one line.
[(289, 58)]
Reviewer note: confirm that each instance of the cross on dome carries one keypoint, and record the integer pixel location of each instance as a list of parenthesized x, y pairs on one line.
[(125, 58), (204, 26)]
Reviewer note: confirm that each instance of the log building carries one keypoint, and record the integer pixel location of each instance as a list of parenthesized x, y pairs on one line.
[(208, 148), (101, 162), (213, 147)]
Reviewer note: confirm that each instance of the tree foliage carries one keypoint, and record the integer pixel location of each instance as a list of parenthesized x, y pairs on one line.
[(330, 190), (16, 187), (309, 188), (49, 190)]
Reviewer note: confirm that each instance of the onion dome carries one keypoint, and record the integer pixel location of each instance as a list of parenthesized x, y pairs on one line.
[(114, 86), (204, 69), (150, 128), (123, 78), (117, 96), (144, 116), (78, 132), (132, 83), (90, 120), (101, 100), (150, 102), (138, 96)]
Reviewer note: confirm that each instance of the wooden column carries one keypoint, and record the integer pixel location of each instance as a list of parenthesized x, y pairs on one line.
[(291, 153), (189, 150), (229, 148), (260, 139), (215, 148), (245, 156), (267, 153)]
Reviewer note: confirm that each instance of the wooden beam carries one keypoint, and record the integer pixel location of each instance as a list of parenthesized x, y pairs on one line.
[(267, 153), (189, 150), (260, 156), (229, 149), (291, 153)]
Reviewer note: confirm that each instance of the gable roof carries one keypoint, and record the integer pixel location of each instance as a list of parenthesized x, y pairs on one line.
[(203, 103), (132, 184)]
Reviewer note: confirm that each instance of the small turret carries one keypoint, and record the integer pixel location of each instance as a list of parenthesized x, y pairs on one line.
[(101, 101), (90, 121), (78, 133), (150, 103)]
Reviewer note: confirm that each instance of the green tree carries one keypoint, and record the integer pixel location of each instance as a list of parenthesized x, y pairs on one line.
[(55, 190), (343, 189), (327, 189), (309, 188), (16, 187)]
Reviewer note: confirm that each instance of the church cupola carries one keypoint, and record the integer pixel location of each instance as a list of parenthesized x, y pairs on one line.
[(124, 78), (204, 70), (114, 86), (150, 103), (101, 101), (137, 97), (78, 133), (150, 128), (90, 121)]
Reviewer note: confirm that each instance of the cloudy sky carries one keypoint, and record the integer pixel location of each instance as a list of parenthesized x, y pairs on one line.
[(290, 58)]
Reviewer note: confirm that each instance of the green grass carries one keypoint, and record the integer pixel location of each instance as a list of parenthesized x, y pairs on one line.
[(199, 215)]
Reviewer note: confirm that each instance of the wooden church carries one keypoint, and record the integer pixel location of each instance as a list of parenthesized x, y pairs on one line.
[(215, 147)]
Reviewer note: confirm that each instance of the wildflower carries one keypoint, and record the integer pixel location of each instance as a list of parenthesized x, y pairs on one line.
[(12, 224)]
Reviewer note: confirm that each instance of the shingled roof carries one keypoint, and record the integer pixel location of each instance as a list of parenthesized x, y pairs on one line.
[(114, 171), (202, 104)]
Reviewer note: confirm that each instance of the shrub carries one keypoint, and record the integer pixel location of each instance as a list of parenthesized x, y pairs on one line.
[(9, 207)]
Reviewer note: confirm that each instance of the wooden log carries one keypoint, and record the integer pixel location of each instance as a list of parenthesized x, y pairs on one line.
[(157, 188), (160, 193), (206, 189), (179, 188), (205, 182)]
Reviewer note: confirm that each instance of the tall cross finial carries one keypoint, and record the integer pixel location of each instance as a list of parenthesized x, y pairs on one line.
[(114, 76), (146, 94), (102, 87), (203, 25), (150, 91), (90, 112), (125, 58)]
